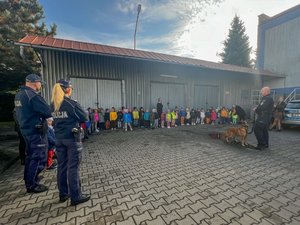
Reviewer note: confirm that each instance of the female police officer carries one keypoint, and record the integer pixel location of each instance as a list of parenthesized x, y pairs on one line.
[(68, 115)]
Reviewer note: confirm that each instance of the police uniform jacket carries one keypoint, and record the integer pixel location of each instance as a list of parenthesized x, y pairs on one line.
[(69, 116), (264, 110), (31, 110)]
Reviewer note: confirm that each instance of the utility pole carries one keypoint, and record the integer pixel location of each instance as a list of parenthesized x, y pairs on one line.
[(137, 19)]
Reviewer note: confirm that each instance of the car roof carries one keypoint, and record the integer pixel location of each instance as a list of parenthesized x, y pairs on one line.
[(294, 101)]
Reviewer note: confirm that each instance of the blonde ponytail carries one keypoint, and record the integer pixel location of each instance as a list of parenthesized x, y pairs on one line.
[(57, 96)]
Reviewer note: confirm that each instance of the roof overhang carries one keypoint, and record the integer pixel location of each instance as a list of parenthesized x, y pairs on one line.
[(49, 43)]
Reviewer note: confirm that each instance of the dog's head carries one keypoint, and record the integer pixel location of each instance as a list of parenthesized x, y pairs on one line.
[(245, 125)]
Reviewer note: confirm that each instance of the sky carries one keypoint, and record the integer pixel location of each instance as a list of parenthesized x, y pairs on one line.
[(189, 28)]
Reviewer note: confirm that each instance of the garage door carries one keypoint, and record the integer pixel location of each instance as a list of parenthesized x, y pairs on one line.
[(171, 93), (109, 93), (85, 92), (96, 92), (206, 96)]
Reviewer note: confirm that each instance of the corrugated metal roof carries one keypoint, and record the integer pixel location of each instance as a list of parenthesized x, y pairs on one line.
[(69, 45)]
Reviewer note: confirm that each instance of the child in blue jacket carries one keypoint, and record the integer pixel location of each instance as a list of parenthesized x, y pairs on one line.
[(127, 120), (147, 119)]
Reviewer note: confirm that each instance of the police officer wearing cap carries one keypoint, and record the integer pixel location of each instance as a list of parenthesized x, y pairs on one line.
[(68, 115), (31, 114), (264, 113)]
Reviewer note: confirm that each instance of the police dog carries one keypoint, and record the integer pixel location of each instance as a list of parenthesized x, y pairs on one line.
[(233, 132)]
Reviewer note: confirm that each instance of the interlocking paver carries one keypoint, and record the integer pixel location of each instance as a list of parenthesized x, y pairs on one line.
[(199, 216), (128, 221), (168, 218), (186, 221), (157, 221), (158, 203), (239, 210), (293, 222), (228, 215), (275, 219), (57, 219), (142, 217), (100, 213), (246, 220), (157, 212), (283, 213), (292, 208), (186, 210), (114, 218), (168, 176), (128, 213), (216, 220)]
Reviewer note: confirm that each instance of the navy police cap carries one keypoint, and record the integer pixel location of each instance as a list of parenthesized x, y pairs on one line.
[(34, 78), (65, 83)]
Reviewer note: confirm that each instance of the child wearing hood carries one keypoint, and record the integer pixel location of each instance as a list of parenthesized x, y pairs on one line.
[(127, 119)]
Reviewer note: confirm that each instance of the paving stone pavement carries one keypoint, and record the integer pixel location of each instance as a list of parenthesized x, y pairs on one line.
[(176, 176)]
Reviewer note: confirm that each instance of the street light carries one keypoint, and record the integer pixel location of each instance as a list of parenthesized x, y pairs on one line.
[(137, 19)]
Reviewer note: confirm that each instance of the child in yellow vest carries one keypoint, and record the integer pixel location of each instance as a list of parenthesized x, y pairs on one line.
[(168, 118), (113, 118), (136, 117)]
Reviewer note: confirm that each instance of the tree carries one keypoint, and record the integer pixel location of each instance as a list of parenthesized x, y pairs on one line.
[(18, 18), (236, 49)]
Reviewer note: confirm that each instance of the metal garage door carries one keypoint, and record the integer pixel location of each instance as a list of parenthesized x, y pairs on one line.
[(206, 96), (109, 93), (85, 92), (171, 93), (95, 92)]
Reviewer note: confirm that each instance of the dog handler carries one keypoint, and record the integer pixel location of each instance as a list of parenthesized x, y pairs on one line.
[(31, 114), (264, 115), (68, 115)]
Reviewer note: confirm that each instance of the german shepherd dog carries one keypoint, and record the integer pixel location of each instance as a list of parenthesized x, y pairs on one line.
[(233, 132)]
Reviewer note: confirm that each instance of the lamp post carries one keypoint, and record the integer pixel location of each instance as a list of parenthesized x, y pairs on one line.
[(137, 19)]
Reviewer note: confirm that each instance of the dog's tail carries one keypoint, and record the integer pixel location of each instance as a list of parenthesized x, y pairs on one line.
[(216, 135)]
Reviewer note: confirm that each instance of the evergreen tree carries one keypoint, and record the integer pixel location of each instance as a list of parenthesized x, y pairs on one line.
[(236, 49), (18, 18)]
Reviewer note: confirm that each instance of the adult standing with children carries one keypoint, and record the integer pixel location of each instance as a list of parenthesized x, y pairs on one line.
[(159, 108), (31, 114), (264, 115), (68, 115)]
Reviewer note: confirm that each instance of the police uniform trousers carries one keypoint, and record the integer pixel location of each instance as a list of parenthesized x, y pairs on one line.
[(68, 158), (36, 158), (261, 134), (22, 147)]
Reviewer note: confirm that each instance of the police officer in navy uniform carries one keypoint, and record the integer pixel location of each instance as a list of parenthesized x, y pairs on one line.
[(264, 113), (68, 115), (31, 114)]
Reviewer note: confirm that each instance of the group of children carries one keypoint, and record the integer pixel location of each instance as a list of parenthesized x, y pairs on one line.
[(127, 119)]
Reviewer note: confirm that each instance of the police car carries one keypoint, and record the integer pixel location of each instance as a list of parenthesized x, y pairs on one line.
[(292, 113)]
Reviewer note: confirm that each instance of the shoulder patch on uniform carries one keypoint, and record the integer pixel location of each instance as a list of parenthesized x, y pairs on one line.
[(18, 103)]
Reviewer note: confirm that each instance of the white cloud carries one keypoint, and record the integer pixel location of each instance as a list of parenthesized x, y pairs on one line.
[(199, 28), (204, 39)]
